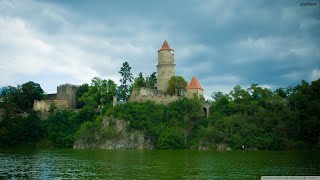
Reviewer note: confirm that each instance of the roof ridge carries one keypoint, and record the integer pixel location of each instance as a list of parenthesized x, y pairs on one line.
[(194, 84), (165, 46)]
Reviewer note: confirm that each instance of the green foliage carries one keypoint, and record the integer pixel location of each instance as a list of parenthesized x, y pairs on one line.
[(305, 102), (260, 118), (61, 128), (124, 88), (255, 118), (10, 97), (21, 97), (171, 138), (86, 131), (163, 125), (142, 116), (53, 107), (139, 81), (151, 81), (81, 90), (110, 132), (177, 86), (100, 93), (19, 130), (30, 91)]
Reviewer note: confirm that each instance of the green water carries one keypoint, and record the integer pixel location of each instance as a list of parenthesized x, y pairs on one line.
[(143, 164)]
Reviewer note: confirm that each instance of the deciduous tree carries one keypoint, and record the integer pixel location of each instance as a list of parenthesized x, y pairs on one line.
[(177, 86)]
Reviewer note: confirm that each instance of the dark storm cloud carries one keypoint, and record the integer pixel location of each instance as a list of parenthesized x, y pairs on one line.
[(223, 43)]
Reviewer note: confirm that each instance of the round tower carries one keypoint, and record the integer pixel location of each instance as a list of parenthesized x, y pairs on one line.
[(194, 88), (166, 67)]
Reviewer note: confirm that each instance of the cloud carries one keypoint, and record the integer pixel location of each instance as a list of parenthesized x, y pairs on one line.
[(315, 74), (295, 75), (77, 53), (223, 43), (272, 48), (226, 78), (19, 45)]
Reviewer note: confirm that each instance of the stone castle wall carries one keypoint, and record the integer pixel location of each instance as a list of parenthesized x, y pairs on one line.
[(51, 96), (44, 105), (65, 98), (191, 92), (67, 92), (146, 94)]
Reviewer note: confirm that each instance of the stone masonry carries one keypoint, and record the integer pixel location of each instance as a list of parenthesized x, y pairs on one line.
[(166, 67), (65, 98)]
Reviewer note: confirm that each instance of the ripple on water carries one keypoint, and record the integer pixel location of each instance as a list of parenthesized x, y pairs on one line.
[(104, 164)]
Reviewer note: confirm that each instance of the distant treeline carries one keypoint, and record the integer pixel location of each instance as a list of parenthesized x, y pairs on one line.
[(253, 118)]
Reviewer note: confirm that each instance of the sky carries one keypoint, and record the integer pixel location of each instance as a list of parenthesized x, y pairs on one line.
[(223, 43)]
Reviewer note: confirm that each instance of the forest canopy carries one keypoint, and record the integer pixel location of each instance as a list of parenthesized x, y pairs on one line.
[(254, 118)]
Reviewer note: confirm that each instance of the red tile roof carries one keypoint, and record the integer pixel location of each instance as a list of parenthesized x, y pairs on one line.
[(165, 46), (194, 84)]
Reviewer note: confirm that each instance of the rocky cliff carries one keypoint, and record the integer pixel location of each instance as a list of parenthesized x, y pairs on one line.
[(114, 135)]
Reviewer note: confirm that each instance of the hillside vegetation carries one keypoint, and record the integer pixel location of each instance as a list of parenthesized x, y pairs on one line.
[(254, 118)]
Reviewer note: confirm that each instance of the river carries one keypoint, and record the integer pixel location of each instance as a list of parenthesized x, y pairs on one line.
[(154, 164)]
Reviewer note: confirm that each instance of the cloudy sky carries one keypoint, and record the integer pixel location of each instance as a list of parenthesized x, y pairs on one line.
[(223, 43)]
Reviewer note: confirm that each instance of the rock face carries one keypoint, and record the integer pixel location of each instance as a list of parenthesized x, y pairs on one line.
[(119, 139), (223, 147)]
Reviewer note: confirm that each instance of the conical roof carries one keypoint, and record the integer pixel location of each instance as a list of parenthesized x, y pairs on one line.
[(194, 84), (165, 46)]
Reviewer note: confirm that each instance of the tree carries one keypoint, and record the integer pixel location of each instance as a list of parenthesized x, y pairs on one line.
[(61, 128), (108, 92), (17, 130), (139, 81), (305, 103), (217, 95), (281, 92), (100, 92), (9, 97), (22, 96), (177, 86), (127, 78), (151, 81), (30, 91), (81, 90)]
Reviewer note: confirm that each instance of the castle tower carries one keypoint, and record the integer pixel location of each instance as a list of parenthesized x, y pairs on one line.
[(194, 87), (166, 67), (67, 92)]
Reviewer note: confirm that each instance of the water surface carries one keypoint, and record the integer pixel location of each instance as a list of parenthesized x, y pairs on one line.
[(146, 164)]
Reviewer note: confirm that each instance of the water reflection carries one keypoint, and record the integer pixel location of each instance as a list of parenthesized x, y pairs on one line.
[(133, 164)]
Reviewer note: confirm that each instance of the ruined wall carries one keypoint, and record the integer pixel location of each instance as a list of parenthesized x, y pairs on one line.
[(44, 105), (67, 92), (64, 98), (50, 96), (145, 94)]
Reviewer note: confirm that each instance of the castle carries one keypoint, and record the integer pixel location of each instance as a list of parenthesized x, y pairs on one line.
[(64, 98), (166, 69), (66, 93)]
